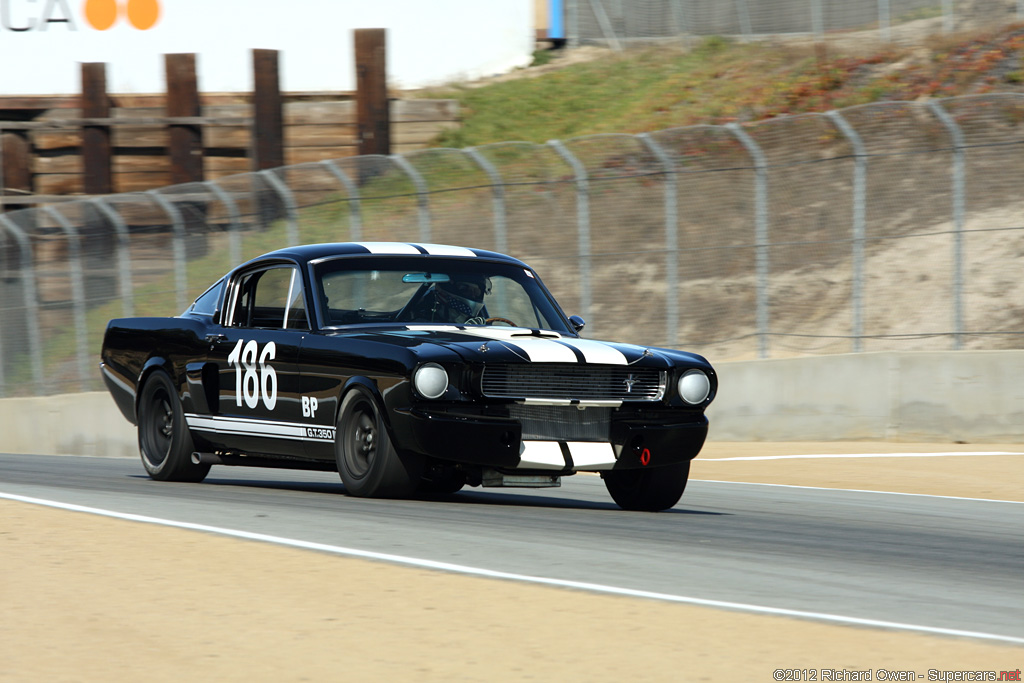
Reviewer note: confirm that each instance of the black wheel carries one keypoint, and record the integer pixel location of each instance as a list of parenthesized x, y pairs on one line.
[(647, 490), (368, 463), (164, 441)]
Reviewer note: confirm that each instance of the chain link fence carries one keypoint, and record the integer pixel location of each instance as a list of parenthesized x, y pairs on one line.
[(882, 227), (619, 23)]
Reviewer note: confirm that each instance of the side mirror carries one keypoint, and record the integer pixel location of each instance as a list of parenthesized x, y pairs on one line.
[(577, 323)]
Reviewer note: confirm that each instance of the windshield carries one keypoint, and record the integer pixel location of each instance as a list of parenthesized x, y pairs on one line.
[(429, 291)]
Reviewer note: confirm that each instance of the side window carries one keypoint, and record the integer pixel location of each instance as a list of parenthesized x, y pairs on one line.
[(271, 298), (206, 304)]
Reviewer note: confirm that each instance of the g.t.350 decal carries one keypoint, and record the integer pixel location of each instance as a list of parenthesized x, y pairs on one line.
[(247, 384)]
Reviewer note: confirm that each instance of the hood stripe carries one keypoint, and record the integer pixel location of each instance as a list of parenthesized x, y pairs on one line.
[(553, 348), (596, 352)]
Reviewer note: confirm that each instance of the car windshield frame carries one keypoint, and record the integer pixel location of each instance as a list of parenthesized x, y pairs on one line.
[(503, 279)]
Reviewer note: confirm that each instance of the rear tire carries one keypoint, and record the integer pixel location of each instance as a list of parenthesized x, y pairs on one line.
[(368, 463), (165, 444), (648, 490)]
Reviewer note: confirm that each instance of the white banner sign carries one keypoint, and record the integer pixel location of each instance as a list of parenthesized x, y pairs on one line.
[(42, 42)]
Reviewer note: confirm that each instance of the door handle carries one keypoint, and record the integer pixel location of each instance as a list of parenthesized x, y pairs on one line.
[(213, 338)]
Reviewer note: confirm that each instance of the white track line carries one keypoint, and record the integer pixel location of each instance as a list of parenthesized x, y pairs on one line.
[(888, 493), (862, 455), (523, 578)]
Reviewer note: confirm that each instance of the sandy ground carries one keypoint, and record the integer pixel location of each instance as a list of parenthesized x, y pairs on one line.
[(94, 599)]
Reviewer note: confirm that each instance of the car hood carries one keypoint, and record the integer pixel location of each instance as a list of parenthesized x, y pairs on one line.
[(521, 345)]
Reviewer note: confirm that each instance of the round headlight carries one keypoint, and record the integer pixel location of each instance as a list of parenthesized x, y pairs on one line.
[(430, 380), (694, 386)]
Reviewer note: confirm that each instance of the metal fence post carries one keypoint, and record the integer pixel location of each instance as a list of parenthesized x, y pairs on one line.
[(234, 231), (605, 25), (422, 203), (290, 208), (77, 293), (180, 265), (959, 200), (28, 276), (744, 16), (355, 228), (124, 260), (572, 9), (817, 19), (885, 19), (498, 198), (671, 240), (860, 159), (760, 232), (582, 221)]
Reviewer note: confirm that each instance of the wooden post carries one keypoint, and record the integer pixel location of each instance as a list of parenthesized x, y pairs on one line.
[(373, 116), (185, 140), (16, 172), (268, 111), (96, 150)]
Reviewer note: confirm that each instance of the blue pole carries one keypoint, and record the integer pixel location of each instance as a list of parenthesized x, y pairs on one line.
[(556, 29)]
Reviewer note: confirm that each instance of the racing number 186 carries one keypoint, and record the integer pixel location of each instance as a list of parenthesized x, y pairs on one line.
[(248, 385)]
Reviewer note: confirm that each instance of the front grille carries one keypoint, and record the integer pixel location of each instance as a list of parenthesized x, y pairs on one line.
[(573, 382), (562, 423)]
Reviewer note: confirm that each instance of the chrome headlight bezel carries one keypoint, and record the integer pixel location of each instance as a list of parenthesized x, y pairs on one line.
[(693, 387), (430, 381)]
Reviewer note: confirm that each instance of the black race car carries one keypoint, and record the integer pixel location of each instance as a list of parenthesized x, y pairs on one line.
[(408, 368)]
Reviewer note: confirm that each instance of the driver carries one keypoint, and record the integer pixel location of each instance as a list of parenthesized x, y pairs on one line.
[(460, 300)]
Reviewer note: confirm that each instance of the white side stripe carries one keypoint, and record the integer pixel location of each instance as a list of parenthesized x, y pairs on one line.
[(253, 427)]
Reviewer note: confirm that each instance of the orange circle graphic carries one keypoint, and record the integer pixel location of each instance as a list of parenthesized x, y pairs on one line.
[(101, 14), (143, 14)]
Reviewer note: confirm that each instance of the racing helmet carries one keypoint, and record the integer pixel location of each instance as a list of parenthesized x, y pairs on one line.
[(461, 298)]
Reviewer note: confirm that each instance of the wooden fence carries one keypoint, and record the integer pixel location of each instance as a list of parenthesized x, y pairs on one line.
[(99, 143)]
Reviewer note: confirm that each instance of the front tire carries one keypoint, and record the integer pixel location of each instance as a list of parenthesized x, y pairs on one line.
[(368, 463), (164, 440), (648, 490)]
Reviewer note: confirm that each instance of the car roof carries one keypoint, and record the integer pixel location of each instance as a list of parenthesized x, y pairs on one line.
[(314, 252)]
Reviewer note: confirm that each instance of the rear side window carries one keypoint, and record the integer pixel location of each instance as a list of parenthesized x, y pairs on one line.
[(206, 304)]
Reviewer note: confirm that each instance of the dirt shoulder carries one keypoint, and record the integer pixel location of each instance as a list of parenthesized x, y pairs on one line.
[(88, 598)]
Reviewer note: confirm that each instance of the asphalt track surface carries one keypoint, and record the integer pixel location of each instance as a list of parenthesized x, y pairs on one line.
[(925, 561)]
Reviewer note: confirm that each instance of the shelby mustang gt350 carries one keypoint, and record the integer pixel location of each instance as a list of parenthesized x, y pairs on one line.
[(409, 368)]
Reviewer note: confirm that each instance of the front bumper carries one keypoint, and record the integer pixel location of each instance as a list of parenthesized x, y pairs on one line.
[(497, 442)]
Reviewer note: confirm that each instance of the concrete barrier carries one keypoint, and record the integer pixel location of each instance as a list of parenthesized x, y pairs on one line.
[(968, 396)]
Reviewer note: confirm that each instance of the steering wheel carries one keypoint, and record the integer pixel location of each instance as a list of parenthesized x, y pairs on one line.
[(491, 321)]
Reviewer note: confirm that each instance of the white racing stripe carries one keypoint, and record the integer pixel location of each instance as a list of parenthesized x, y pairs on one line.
[(389, 248), (536, 349), (596, 352), (445, 250), (523, 578), (544, 350)]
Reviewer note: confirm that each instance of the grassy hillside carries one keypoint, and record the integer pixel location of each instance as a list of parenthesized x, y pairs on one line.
[(719, 81)]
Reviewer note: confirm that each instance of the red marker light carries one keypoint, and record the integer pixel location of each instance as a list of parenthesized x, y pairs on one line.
[(645, 457)]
